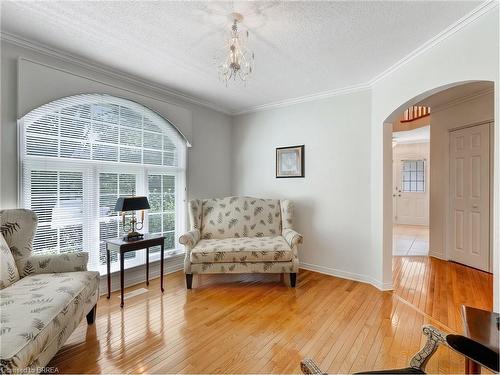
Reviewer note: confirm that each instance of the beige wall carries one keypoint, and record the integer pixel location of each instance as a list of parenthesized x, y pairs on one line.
[(473, 111)]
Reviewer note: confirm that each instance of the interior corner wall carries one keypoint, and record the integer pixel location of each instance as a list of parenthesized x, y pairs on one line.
[(469, 54), (332, 201), (209, 165), (474, 111)]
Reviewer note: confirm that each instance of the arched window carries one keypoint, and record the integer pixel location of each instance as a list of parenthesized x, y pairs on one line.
[(80, 153)]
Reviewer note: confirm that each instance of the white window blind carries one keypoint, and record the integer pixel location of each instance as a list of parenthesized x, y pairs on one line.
[(79, 154)]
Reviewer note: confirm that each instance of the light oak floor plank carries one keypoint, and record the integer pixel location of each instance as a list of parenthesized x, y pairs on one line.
[(257, 324)]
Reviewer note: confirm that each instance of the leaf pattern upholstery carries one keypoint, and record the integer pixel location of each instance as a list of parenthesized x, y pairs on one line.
[(51, 263), (195, 214), (247, 249), (191, 238), (20, 242), (286, 214), (8, 269), (241, 235), (240, 217), (292, 237), (37, 309)]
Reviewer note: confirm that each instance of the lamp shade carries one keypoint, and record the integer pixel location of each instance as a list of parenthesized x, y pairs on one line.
[(131, 204)]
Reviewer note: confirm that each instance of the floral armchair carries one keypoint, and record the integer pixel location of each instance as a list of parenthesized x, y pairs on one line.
[(43, 298), (241, 235)]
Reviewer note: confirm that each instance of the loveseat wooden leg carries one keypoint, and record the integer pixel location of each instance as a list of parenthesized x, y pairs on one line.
[(91, 315), (293, 279), (189, 280)]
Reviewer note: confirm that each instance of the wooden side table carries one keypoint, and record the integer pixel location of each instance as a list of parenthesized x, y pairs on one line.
[(480, 342), (121, 246)]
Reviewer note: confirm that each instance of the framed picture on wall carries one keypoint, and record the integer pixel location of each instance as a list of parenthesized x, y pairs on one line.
[(290, 162)]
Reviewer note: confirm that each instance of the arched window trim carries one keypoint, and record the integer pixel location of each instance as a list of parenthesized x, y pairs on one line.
[(58, 104), (90, 174)]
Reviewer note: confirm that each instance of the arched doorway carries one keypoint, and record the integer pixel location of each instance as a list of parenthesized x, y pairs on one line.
[(460, 230)]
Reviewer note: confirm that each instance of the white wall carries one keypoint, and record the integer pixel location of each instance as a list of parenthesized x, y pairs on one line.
[(333, 200), (473, 111), (338, 205), (466, 55), (209, 131)]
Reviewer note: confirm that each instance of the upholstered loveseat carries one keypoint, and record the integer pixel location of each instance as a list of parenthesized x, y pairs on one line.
[(43, 298), (241, 235)]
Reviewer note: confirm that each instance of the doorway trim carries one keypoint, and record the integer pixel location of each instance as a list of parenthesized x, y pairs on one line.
[(447, 239), (382, 213)]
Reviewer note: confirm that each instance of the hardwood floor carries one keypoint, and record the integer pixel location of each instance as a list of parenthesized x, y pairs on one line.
[(255, 324), (438, 288)]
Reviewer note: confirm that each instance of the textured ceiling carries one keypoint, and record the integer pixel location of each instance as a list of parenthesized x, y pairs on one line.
[(301, 48)]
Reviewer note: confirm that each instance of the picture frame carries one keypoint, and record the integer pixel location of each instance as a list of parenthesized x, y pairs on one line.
[(290, 162)]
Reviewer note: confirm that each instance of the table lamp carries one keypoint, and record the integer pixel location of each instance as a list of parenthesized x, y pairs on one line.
[(132, 204)]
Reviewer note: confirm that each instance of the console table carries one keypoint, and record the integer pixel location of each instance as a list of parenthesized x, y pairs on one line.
[(122, 246)]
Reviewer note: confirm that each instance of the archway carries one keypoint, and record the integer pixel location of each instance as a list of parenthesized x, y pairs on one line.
[(454, 106)]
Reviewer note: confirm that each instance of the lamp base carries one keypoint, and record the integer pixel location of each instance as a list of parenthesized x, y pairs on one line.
[(133, 236)]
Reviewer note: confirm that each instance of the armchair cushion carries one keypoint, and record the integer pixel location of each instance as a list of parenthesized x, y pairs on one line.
[(8, 268), (240, 217), (38, 312), (246, 249), (53, 263)]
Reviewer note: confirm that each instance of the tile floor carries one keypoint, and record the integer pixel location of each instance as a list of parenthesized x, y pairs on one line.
[(410, 240)]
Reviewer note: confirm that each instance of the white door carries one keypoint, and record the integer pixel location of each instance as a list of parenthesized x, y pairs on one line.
[(411, 197), (469, 218)]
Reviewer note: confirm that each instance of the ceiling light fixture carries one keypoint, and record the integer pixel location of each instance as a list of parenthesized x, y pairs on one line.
[(237, 60)]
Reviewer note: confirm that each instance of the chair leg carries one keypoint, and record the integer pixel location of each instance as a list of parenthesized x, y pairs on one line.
[(189, 280), (293, 279), (434, 338), (91, 315)]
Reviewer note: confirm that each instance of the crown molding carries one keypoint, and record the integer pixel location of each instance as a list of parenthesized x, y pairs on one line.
[(472, 16), (469, 18), (101, 68), (303, 99)]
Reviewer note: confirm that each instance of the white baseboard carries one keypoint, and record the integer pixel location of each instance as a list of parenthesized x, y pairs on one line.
[(347, 275), (137, 275)]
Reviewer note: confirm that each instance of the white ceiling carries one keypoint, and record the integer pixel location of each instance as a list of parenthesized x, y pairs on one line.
[(301, 48)]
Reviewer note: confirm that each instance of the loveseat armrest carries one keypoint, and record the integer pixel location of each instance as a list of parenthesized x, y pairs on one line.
[(53, 263), (190, 239), (292, 237)]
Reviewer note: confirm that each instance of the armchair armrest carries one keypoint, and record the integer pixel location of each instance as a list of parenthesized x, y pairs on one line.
[(309, 367), (292, 237), (53, 263), (190, 239)]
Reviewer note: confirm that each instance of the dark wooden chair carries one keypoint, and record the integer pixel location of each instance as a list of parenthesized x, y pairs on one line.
[(417, 363)]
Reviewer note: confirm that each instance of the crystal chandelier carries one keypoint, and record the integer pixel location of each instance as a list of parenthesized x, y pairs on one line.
[(236, 61)]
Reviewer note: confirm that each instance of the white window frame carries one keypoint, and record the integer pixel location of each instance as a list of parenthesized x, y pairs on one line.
[(91, 170)]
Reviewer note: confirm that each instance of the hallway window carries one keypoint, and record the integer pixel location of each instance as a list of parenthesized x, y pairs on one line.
[(413, 176), (79, 154)]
